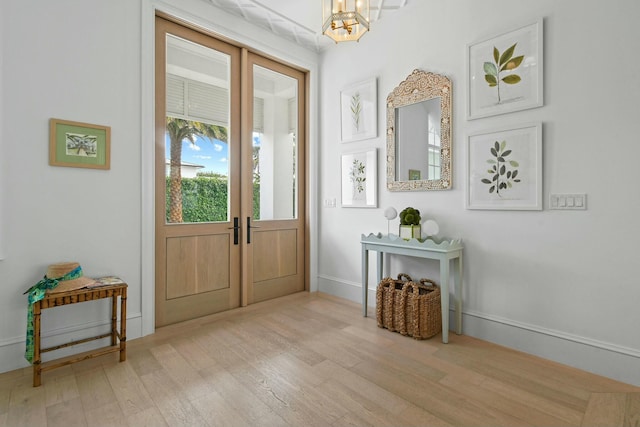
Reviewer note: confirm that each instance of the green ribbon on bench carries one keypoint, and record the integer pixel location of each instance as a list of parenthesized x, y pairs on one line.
[(37, 293)]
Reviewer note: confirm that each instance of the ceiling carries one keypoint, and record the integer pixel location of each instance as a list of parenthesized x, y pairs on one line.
[(296, 20)]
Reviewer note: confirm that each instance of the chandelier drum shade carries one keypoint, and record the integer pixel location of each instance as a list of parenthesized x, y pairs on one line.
[(345, 20)]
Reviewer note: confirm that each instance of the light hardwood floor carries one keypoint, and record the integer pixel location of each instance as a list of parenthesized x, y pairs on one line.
[(312, 360)]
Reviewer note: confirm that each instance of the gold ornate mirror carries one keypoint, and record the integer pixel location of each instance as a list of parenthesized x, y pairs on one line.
[(419, 133)]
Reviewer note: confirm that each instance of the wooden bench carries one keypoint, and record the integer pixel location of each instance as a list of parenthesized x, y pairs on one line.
[(118, 338)]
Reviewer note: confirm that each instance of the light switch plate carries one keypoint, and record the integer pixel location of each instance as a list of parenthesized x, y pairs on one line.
[(330, 203), (574, 201)]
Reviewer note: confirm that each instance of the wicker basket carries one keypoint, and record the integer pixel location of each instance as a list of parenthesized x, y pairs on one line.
[(390, 303), (423, 311)]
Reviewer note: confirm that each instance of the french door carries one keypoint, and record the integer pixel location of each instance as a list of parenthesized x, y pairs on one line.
[(230, 153), (276, 244)]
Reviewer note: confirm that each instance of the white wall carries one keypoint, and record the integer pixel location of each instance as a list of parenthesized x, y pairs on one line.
[(560, 284), (88, 61), (3, 158), (66, 60)]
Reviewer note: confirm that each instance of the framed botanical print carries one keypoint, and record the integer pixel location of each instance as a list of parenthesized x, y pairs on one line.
[(358, 111), (360, 179), (505, 72), (504, 169)]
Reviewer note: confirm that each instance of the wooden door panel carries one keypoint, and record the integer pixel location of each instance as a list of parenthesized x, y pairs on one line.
[(198, 264), (181, 251), (277, 249), (212, 262)]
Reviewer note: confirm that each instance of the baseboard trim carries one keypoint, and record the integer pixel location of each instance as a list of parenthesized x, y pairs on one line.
[(12, 349), (599, 357), (557, 334)]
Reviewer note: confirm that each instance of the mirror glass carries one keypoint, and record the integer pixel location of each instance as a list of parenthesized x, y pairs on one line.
[(419, 133), (415, 124)]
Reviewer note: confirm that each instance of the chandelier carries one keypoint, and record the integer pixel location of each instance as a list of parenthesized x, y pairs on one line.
[(345, 20)]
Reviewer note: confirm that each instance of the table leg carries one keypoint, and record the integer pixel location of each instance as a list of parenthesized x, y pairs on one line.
[(37, 362), (365, 279), (444, 298), (114, 318), (457, 278), (123, 325), (380, 266)]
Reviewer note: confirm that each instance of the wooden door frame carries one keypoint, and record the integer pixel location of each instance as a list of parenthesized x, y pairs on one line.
[(245, 124), (224, 27)]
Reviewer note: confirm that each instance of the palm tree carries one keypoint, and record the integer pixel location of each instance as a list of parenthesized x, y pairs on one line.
[(256, 164), (179, 130)]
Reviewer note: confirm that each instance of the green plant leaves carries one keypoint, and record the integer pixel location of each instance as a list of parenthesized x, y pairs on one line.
[(502, 172), (512, 64), (490, 69), (511, 79), (357, 175), (491, 73), (356, 109), (502, 62), (410, 216), (506, 55)]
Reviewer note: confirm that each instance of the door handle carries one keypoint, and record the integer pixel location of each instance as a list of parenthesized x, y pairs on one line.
[(249, 227), (236, 229)]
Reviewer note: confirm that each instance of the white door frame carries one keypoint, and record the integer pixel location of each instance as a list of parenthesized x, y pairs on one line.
[(257, 39)]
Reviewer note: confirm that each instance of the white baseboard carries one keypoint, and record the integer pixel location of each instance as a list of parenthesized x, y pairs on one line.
[(602, 358), (12, 350)]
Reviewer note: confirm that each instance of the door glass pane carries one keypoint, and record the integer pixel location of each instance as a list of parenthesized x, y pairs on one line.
[(275, 152), (197, 131)]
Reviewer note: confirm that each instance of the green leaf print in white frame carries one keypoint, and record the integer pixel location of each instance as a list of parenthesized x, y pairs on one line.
[(359, 111)]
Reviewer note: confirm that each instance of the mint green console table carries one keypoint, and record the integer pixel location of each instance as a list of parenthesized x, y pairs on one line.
[(448, 252)]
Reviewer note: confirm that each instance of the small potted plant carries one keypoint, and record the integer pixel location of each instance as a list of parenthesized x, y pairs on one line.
[(410, 224)]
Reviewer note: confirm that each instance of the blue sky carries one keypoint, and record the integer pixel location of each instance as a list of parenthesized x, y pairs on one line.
[(213, 155)]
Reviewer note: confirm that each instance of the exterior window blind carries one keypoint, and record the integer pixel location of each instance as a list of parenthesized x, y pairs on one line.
[(197, 101), (192, 100), (208, 103), (258, 115), (175, 96)]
